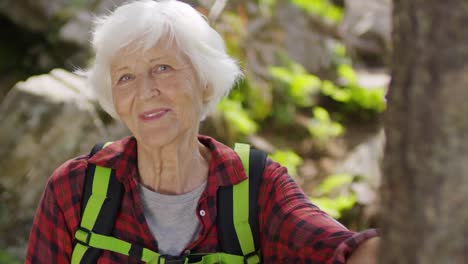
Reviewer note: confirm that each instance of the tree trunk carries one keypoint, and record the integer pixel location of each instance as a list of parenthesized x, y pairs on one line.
[(425, 187)]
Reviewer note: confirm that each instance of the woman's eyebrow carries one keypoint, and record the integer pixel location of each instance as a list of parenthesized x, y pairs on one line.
[(158, 58), (121, 69)]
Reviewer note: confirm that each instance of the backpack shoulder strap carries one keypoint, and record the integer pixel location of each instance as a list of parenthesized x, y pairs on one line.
[(238, 231), (102, 195)]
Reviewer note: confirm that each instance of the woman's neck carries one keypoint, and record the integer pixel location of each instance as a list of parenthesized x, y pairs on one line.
[(175, 168)]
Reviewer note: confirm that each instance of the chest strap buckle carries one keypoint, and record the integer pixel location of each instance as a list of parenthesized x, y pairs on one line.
[(168, 259), (83, 236)]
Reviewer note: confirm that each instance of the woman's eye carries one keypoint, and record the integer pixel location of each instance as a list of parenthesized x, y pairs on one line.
[(125, 77), (162, 68)]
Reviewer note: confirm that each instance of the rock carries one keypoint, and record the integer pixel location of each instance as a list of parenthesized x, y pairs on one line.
[(77, 30), (43, 122), (373, 79), (367, 26), (308, 170), (364, 160), (303, 44)]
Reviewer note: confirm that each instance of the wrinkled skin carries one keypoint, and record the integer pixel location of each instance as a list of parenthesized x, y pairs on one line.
[(159, 97)]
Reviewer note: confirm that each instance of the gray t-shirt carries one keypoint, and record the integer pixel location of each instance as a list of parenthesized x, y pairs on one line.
[(172, 218)]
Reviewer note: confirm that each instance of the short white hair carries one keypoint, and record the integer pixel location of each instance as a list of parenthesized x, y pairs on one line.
[(146, 22)]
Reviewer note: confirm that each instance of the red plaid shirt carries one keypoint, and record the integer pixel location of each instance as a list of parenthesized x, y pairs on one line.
[(292, 230)]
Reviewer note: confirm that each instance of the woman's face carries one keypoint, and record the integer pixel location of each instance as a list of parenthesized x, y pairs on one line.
[(156, 93)]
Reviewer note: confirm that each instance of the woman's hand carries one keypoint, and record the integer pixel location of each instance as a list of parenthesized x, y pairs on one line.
[(366, 253)]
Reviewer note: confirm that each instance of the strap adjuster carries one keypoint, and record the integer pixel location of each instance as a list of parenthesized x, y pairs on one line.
[(168, 259), (250, 255), (83, 238)]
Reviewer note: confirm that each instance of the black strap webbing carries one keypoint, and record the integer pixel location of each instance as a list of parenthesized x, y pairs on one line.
[(227, 236), (106, 218)]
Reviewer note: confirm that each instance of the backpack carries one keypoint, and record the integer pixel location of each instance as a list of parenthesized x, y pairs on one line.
[(238, 232)]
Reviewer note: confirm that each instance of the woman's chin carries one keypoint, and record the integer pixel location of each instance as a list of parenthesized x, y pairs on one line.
[(156, 139)]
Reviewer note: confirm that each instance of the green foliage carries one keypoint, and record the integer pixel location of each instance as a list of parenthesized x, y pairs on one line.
[(6, 257), (237, 117), (292, 92), (322, 8), (334, 206), (332, 182), (300, 84), (289, 159), (322, 127), (357, 97), (346, 72)]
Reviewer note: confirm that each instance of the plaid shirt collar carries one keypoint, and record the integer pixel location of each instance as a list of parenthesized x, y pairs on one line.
[(225, 165)]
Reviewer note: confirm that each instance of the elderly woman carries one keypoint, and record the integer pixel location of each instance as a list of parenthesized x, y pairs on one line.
[(160, 68)]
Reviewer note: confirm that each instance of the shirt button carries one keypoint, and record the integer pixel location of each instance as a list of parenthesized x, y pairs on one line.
[(202, 212)]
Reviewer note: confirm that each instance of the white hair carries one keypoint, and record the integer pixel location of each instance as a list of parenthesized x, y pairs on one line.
[(146, 22)]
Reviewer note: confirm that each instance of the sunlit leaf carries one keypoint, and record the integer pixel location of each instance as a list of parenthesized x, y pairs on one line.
[(289, 159), (237, 116), (321, 8), (335, 206), (346, 72), (321, 114), (281, 74), (334, 181), (322, 127), (301, 88), (328, 88)]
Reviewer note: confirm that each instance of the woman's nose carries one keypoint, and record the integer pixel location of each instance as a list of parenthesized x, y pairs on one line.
[(149, 88)]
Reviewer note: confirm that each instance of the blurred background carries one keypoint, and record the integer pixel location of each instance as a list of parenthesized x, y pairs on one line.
[(316, 74)]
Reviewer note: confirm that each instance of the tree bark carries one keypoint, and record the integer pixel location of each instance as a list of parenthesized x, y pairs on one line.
[(424, 214)]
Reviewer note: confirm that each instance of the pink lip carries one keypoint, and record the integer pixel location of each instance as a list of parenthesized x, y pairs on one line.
[(153, 114)]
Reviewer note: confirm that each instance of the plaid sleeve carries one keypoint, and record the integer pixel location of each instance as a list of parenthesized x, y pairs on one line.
[(50, 239), (347, 247), (293, 230)]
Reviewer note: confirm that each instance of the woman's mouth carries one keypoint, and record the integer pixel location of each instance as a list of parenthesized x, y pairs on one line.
[(153, 114)]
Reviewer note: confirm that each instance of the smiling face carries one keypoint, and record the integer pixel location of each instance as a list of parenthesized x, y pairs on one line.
[(156, 93)]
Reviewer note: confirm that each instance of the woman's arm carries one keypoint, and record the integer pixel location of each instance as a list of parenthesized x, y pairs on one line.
[(57, 216), (49, 240), (293, 230)]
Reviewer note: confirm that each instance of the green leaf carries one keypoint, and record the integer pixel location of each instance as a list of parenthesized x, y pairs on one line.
[(346, 72), (334, 181), (328, 88), (237, 116), (322, 127), (281, 74), (321, 114), (6, 257), (339, 49), (369, 98), (289, 159), (321, 8), (335, 206), (302, 87)]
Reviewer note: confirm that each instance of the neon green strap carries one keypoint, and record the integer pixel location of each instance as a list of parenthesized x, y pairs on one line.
[(119, 246), (113, 244), (93, 207), (241, 208), (220, 258)]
